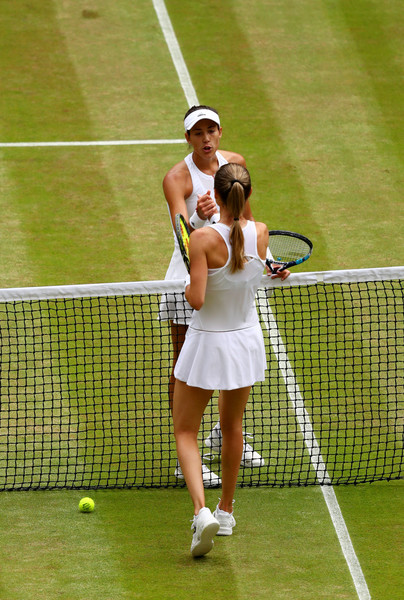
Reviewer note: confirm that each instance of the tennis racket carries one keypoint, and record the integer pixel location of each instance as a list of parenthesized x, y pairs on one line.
[(182, 233), (288, 249)]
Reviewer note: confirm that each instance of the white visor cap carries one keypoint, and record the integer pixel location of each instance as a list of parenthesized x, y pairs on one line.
[(198, 115)]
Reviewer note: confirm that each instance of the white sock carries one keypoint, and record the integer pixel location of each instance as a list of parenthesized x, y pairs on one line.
[(224, 512)]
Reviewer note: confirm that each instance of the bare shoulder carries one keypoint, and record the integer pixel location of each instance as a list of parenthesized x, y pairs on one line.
[(205, 236), (262, 229), (262, 236), (233, 157), (177, 182), (177, 173), (202, 234)]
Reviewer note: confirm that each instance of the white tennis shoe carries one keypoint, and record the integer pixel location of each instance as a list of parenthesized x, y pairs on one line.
[(210, 479), (226, 521), (250, 458), (204, 527)]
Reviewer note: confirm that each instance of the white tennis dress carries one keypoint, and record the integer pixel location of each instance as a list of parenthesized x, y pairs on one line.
[(224, 345), (171, 309)]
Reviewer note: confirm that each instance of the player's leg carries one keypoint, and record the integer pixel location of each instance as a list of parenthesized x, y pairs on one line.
[(188, 409), (189, 406), (249, 457), (232, 405), (178, 332)]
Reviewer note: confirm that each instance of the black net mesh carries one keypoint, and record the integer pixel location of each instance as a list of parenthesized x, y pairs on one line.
[(84, 390)]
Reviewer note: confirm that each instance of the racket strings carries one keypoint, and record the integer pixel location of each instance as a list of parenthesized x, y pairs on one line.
[(287, 249)]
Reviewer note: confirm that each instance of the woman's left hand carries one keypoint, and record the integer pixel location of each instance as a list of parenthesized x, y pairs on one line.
[(279, 274)]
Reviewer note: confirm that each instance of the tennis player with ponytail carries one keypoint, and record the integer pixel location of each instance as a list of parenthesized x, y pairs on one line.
[(223, 348)]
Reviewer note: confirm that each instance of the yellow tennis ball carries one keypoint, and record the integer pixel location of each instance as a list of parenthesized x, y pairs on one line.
[(86, 505)]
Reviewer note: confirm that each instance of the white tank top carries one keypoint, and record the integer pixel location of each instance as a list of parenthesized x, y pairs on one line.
[(230, 297), (201, 182)]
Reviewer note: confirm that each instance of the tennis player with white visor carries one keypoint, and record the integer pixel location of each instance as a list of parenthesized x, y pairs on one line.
[(188, 189)]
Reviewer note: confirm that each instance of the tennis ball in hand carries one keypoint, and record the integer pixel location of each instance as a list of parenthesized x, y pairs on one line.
[(86, 505)]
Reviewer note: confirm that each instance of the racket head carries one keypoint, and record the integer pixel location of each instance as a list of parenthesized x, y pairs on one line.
[(182, 233), (288, 249)]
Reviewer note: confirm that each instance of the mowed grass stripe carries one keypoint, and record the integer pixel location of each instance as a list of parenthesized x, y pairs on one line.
[(376, 29), (13, 251), (304, 113), (70, 77), (71, 228), (40, 97), (124, 69), (332, 124), (62, 197)]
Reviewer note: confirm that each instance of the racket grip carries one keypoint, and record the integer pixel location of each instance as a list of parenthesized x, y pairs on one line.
[(272, 269)]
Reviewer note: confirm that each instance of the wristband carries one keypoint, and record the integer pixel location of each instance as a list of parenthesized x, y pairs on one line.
[(196, 222)]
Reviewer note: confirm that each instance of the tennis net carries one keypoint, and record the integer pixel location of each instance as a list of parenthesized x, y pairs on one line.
[(85, 374)]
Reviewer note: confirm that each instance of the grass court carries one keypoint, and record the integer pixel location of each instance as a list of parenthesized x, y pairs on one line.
[(311, 95)]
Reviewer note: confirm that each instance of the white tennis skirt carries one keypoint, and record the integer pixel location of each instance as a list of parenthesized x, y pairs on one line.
[(222, 360)]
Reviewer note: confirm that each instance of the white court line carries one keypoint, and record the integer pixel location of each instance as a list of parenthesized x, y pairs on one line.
[(94, 143), (175, 51), (313, 448)]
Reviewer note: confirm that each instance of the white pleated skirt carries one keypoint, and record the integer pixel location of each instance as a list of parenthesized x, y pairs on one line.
[(222, 360)]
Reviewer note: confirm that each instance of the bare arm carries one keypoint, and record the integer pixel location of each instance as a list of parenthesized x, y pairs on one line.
[(195, 291), (177, 187), (262, 244), (262, 239)]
